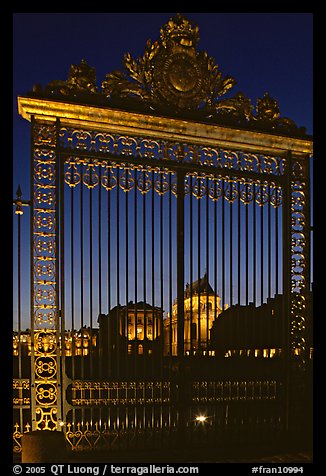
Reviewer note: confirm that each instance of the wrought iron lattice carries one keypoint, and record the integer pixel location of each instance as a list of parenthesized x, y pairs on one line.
[(143, 150)]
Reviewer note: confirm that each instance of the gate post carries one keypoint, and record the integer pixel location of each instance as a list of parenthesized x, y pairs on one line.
[(297, 299), (300, 312), (45, 326)]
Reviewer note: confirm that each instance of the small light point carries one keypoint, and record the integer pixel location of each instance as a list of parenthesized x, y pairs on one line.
[(201, 418)]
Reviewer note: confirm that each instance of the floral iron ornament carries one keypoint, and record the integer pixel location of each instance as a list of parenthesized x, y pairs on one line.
[(173, 78)]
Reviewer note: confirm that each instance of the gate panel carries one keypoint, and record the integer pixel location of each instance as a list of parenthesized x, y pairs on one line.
[(120, 225)]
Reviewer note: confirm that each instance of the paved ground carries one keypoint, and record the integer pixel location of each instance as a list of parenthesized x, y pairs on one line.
[(267, 456)]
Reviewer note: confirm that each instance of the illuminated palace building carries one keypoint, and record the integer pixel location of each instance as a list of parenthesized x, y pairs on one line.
[(77, 343), (201, 307), (136, 328), (140, 329), (131, 329)]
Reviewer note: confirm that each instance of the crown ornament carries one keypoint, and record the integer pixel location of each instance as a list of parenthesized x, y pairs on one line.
[(179, 29)]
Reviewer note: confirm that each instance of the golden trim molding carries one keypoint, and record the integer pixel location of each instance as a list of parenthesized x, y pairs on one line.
[(160, 127)]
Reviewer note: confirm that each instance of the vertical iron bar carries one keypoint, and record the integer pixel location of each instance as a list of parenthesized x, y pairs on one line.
[(215, 251), (180, 262), (72, 281), (136, 277), (223, 243), (277, 249), (239, 326), (82, 369), (99, 255), (207, 268), (119, 310), (192, 337), (154, 333), (261, 247), (144, 276), (170, 266), (182, 392), (231, 241), (254, 243), (269, 244), (127, 280), (247, 247), (109, 368), (99, 216), (199, 345), (239, 246), (91, 276), (19, 295), (161, 280)]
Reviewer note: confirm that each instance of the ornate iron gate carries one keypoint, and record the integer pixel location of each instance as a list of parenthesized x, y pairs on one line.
[(170, 296)]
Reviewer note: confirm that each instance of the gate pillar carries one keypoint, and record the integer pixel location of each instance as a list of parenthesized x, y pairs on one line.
[(45, 326)]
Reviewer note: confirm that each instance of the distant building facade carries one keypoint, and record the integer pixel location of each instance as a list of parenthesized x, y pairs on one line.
[(76, 343), (202, 306), (250, 331), (135, 327), (130, 331)]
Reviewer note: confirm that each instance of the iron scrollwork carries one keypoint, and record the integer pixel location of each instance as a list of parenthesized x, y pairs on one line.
[(45, 373), (145, 151), (299, 263)]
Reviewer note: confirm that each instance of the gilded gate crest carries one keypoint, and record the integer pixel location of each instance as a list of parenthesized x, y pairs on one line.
[(175, 79), (172, 73)]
